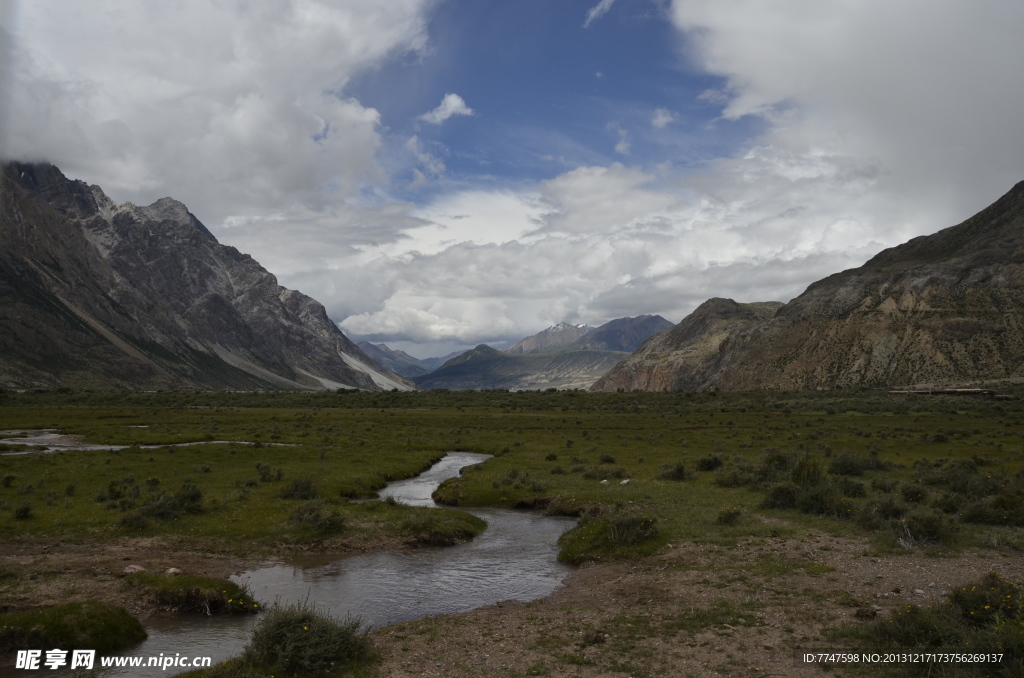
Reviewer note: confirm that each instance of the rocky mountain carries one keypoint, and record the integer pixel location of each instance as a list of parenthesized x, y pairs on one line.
[(488, 368), (553, 337), (99, 294), (563, 356), (434, 363), (942, 309), (399, 362), (621, 334)]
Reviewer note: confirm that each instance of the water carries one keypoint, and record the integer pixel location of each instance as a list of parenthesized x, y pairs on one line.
[(514, 559)]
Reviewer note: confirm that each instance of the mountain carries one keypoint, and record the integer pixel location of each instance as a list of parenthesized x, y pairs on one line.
[(942, 309), (488, 368), (434, 363), (104, 295), (399, 362), (553, 337), (563, 356), (622, 334)]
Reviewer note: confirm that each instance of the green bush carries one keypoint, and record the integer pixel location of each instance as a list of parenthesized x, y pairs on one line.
[(301, 488), (675, 471), (313, 515), (302, 640), (91, 625), (709, 463)]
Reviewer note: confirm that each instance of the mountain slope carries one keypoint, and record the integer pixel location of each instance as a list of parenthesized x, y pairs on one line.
[(941, 309), (553, 337), (488, 368), (99, 294), (399, 362), (621, 334)]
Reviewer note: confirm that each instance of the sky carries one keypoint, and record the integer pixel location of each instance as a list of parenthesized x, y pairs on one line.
[(444, 173)]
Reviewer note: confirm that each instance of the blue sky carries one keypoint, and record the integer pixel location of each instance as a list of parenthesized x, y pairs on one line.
[(443, 173), (550, 94)]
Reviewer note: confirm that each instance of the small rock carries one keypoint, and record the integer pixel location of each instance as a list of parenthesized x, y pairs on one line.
[(604, 482), (918, 592), (932, 585), (876, 608), (132, 569), (173, 571), (626, 482)]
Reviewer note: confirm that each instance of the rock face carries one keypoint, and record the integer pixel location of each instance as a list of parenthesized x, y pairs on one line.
[(942, 309), (99, 294)]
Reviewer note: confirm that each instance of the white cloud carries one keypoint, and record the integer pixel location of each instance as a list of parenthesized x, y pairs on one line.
[(662, 117), (451, 105), (234, 105), (597, 11), (920, 89)]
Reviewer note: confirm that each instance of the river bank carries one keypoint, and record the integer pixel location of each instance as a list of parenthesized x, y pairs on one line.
[(691, 610)]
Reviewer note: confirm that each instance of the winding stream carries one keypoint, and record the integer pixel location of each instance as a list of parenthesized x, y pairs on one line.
[(515, 558)]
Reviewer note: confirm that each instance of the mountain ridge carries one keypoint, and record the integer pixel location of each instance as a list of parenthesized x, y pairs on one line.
[(945, 308), (102, 294)]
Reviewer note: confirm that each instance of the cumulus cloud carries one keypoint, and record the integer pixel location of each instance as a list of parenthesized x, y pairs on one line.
[(597, 11), (450, 106), (235, 106), (662, 118), (918, 88)]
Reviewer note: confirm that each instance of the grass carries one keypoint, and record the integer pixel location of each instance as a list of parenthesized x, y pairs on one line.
[(193, 594), (90, 625), (299, 640), (710, 467)]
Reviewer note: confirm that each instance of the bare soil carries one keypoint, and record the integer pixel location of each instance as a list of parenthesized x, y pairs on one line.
[(617, 619)]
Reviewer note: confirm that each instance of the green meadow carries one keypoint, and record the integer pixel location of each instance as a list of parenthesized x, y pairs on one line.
[(639, 469), (263, 473)]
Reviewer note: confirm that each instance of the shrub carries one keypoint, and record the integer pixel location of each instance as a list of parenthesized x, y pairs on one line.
[(629, 529), (90, 625), (729, 516), (781, 496), (312, 514), (23, 512), (674, 471), (300, 639), (927, 526), (913, 493), (301, 488), (852, 489), (606, 458), (739, 475), (709, 463), (848, 464)]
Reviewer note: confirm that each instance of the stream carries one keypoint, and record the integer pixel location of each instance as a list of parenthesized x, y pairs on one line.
[(514, 559)]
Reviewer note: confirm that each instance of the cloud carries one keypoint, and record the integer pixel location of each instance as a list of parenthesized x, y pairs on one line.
[(598, 11), (662, 117), (236, 107), (451, 105), (917, 88)]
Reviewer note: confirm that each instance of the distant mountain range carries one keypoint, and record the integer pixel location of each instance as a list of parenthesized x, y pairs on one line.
[(563, 356), (96, 294), (943, 309)]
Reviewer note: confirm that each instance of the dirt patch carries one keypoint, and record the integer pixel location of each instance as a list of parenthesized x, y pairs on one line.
[(692, 610)]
